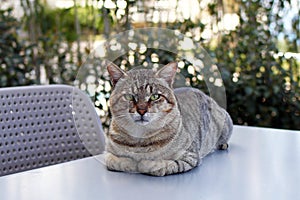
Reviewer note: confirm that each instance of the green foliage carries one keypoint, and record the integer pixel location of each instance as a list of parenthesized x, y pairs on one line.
[(260, 90), (15, 56), (53, 34), (62, 20), (262, 84)]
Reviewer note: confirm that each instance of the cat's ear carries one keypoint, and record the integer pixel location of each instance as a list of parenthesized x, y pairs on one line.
[(168, 73), (115, 73)]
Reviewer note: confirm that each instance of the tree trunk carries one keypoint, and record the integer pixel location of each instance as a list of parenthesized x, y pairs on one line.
[(78, 33)]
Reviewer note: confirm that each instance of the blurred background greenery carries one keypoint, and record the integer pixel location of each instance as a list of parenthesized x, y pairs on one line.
[(254, 43)]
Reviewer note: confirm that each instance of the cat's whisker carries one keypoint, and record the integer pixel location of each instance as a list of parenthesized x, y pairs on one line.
[(120, 116)]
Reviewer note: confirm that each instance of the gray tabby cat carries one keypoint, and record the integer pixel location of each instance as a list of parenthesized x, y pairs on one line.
[(157, 130)]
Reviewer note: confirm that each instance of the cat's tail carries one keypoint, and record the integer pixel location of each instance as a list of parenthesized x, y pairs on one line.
[(226, 132)]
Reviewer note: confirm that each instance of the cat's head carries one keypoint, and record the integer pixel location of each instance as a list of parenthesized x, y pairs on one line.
[(142, 100)]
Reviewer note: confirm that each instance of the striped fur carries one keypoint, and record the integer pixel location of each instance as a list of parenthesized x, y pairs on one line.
[(157, 130)]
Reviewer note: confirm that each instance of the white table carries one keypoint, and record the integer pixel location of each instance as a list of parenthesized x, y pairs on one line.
[(260, 164)]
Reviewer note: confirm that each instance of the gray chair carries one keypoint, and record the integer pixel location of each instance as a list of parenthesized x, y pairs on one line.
[(46, 125)]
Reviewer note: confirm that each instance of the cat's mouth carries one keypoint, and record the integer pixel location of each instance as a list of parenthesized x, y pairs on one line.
[(142, 121)]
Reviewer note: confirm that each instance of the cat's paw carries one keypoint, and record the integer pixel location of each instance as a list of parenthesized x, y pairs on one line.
[(155, 168), (115, 163), (151, 167)]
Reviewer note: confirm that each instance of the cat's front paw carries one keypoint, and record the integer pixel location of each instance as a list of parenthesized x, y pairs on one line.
[(151, 167), (115, 163), (155, 168)]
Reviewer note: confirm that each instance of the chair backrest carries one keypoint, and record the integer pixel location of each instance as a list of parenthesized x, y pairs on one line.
[(46, 125)]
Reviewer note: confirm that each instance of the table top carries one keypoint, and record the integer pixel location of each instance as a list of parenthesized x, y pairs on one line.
[(261, 163)]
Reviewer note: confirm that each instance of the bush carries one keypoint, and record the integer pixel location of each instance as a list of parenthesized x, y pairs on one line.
[(262, 85), (15, 56)]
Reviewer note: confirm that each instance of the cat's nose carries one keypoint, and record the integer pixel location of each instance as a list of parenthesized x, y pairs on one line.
[(141, 111)]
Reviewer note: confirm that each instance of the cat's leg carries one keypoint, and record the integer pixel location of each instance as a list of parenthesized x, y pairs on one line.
[(226, 132), (165, 167), (124, 164)]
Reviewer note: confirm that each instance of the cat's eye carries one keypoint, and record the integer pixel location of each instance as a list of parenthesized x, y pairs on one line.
[(154, 97), (129, 97)]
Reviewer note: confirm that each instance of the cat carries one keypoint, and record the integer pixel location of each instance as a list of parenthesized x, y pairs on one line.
[(159, 131)]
